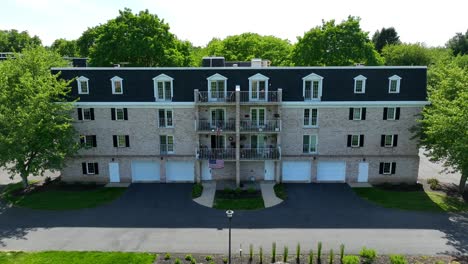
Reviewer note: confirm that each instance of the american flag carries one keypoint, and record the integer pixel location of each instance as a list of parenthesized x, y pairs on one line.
[(216, 164)]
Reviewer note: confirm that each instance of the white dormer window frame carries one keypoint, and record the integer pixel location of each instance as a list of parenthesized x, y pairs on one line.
[(114, 81), (161, 81), (213, 87), (394, 84), (81, 80), (360, 79), (255, 92), (316, 82)]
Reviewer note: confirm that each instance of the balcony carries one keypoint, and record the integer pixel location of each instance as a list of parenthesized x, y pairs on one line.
[(166, 149), (217, 153), (215, 97), (216, 125), (258, 97), (260, 126), (260, 154)]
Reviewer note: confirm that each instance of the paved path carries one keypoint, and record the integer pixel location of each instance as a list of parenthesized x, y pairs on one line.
[(268, 193), (429, 169), (208, 194)]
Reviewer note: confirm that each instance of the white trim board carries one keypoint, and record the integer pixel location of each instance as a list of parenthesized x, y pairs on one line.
[(319, 104), (235, 68), (137, 104)]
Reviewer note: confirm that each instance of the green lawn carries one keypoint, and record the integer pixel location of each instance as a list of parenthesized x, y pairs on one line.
[(70, 257), (61, 198), (412, 200), (238, 200)]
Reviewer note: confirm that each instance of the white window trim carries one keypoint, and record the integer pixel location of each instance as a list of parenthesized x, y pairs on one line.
[(79, 80), (258, 77), (162, 78), (394, 113), (117, 116), (358, 141), (312, 77), (118, 141), (385, 141), (173, 143), (85, 140), (394, 78), (87, 168), (216, 77), (83, 114), (316, 143), (211, 116), (258, 112), (116, 79), (390, 168), (360, 78), (360, 113), (165, 118), (310, 118)]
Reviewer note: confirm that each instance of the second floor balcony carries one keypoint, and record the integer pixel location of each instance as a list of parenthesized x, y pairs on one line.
[(260, 126), (217, 126), (271, 153)]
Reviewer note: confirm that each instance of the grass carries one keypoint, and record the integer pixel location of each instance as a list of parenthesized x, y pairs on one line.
[(197, 190), (61, 197), (71, 257), (280, 191), (238, 200), (412, 200)]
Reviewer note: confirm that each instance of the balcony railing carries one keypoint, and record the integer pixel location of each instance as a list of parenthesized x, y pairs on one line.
[(260, 126), (216, 97), (259, 97), (166, 149), (260, 154), (310, 96), (216, 153), (216, 125)]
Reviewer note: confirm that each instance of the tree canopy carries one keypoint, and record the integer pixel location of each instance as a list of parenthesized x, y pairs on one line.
[(336, 44), (36, 132), (406, 54), (386, 36), (65, 47), (15, 41), (459, 43)]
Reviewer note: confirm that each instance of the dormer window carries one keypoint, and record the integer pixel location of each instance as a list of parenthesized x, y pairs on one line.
[(312, 87), (217, 87), (83, 85), (360, 84), (117, 85), (394, 84), (163, 90), (258, 87)]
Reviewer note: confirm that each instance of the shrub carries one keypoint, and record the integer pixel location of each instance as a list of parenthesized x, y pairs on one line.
[(433, 183), (209, 258), (298, 253), (319, 252), (280, 191), (251, 190), (225, 260), (368, 255), (47, 180), (350, 260), (238, 191), (188, 257), (285, 254), (260, 255), (228, 190), (251, 252), (167, 256), (273, 252), (438, 262), (330, 257), (197, 190), (341, 252), (398, 259), (311, 257), (193, 261), (177, 261)]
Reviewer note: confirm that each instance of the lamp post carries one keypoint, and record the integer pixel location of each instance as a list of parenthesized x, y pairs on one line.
[(229, 214)]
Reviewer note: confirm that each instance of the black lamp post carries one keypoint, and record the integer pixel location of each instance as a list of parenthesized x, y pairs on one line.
[(229, 214)]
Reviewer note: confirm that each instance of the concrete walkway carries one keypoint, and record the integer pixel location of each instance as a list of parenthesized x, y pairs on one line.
[(208, 194), (269, 196)]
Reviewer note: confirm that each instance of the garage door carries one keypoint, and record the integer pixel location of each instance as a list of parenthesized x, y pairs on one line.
[(180, 171), (331, 171), (145, 171), (296, 171)]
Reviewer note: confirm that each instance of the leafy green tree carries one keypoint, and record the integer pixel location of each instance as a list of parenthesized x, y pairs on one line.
[(14, 41), (444, 123), (87, 40), (386, 36), (36, 132), (459, 43), (137, 39), (65, 47), (336, 44), (247, 46), (406, 54)]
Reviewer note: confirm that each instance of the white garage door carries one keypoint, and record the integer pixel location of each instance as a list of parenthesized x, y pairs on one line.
[(296, 171), (145, 171), (331, 171), (180, 171)]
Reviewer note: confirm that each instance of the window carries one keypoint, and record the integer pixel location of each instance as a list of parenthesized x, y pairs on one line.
[(163, 87), (117, 85), (309, 144), (355, 141), (90, 168), (88, 141), (387, 168), (217, 87), (85, 113), (165, 118), (312, 87), (357, 113), (119, 114), (360, 84), (121, 141), (391, 113), (83, 85), (258, 88), (310, 117), (394, 84), (167, 144), (389, 141)]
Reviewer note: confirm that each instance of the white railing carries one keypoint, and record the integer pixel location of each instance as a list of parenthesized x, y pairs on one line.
[(260, 126), (216, 153), (216, 97), (260, 154), (258, 96), (216, 125)]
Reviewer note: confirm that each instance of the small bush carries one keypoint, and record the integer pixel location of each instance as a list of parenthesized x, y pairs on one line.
[(432, 181), (228, 190), (188, 257), (319, 252), (341, 252), (167, 256), (368, 255), (433, 184), (177, 261), (238, 191), (285, 254), (193, 261), (398, 259), (251, 252), (251, 190), (311, 257), (330, 257), (197, 190), (298, 253), (260, 255), (47, 180), (280, 191), (209, 258), (273, 252), (438, 262), (225, 260), (350, 260)]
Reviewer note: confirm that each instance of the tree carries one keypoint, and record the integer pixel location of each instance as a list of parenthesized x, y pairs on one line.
[(336, 44), (247, 46), (36, 132), (65, 47), (14, 41), (137, 39), (406, 54), (444, 123), (87, 40), (386, 36), (459, 43)]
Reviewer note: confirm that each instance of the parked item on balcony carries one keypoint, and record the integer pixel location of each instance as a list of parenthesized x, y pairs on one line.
[(216, 164)]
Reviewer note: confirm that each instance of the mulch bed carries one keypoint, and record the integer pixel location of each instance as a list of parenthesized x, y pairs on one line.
[(233, 194)]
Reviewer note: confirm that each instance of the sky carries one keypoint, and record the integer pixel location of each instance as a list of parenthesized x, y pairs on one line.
[(430, 22)]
